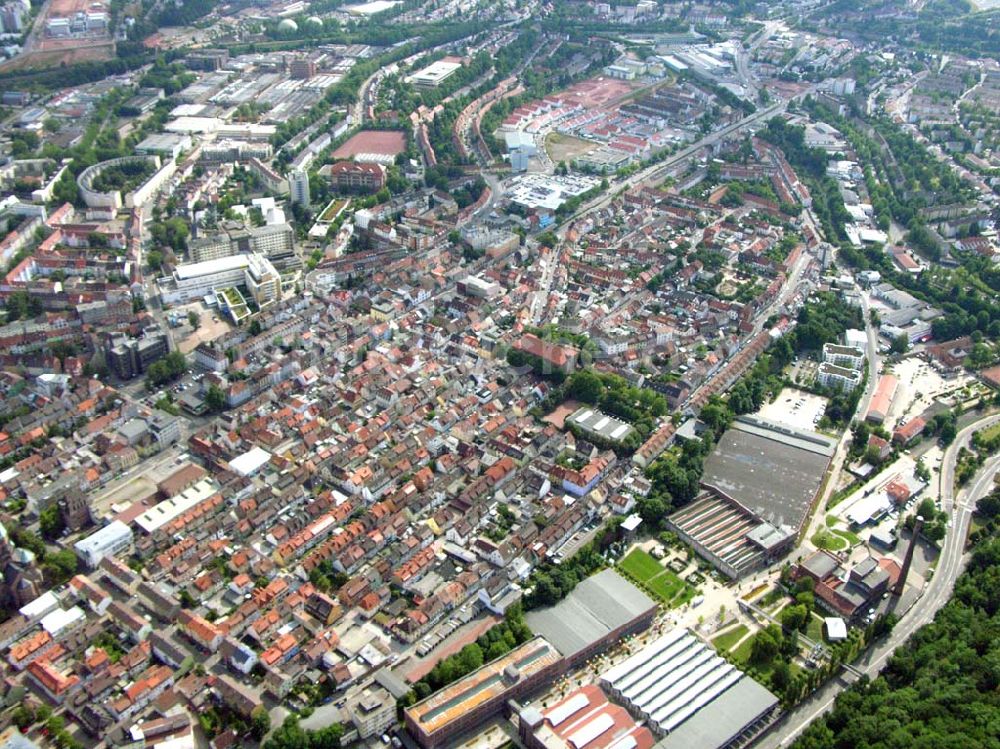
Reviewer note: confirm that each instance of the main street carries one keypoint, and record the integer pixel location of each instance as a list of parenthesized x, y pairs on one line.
[(936, 593)]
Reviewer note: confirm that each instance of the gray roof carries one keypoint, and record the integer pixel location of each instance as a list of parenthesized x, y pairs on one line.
[(723, 719), (396, 686), (133, 429), (598, 605), (773, 471), (821, 564)]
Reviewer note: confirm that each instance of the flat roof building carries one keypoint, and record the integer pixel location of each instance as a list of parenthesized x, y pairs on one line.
[(164, 144), (592, 421), (250, 462), (771, 469), (111, 540), (688, 695), (193, 281), (599, 611), (479, 696), (436, 73), (163, 512)]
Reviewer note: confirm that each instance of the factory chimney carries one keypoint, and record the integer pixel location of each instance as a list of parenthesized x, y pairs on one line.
[(917, 526)]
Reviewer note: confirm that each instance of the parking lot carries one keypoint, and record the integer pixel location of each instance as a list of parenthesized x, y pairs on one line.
[(919, 385), (795, 408)]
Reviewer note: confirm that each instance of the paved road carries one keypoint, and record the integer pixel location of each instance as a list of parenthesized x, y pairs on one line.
[(937, 592)]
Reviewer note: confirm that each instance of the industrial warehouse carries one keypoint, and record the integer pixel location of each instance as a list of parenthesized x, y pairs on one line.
[(772, 470), (584, 718), (689, 695), (735, 540), (602, 609)]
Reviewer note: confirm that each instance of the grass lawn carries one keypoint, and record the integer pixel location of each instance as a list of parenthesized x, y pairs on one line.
[(742, 653), (640, 565), (657, 579), (814, 630), (726, 640), (687, 594), (825, 539), (990, 432), (851, 538), (666, 586)]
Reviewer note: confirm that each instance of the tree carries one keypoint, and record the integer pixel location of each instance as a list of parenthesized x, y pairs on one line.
[(765, 645), (194, 319), (900, 344), (260, 722), (795, 617), (50, 522), (60, 566), (215, 398), (23, 716), (781, 675), (585, 386), (154, 259)]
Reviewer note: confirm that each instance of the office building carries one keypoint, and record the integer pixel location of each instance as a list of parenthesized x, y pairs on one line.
[(165, 428), (262, 280), (113, 539), (466, 704), (130, 357), (436, 73), (194, 281), (373, 712)]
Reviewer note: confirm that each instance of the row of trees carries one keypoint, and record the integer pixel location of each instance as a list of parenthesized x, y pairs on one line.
[(494, 643)]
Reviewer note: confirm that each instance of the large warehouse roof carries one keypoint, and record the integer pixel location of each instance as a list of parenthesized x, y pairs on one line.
[(770, 469), (483, 684), (598, 605), (729, 714), (684, 690)]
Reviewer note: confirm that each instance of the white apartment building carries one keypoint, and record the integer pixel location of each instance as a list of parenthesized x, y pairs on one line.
[(843, 356), (833, 376), (262, 280)]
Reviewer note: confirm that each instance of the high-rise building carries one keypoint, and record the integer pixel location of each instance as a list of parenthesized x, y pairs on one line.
[(298, 184)]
